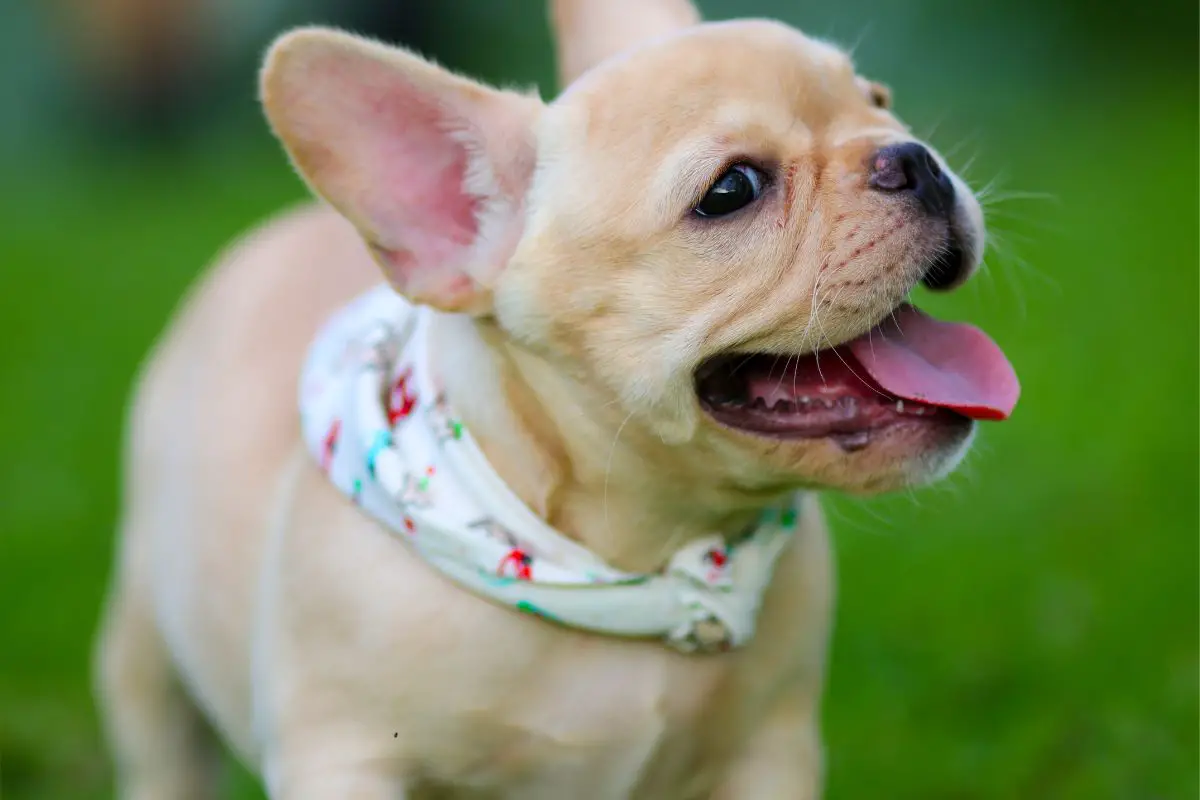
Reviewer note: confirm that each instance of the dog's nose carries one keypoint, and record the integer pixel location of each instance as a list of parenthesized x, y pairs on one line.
[(910, 167)]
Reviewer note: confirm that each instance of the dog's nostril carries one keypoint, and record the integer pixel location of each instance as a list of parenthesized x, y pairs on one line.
[(910, 167), (888, 173)]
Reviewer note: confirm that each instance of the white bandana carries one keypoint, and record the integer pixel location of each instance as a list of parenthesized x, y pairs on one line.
[(381, 430)]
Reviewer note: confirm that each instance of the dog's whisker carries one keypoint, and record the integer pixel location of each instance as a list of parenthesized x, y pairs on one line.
[(823, 338), (845, 363), (957, 147), (862, 37), (993, 193), (1006, 254), (932, 130), (966, 168), (608, 472), (742, 363), (1014, 288), (895, 320), (997, 196), (865, 507), (771, 371), (910, 493), (814, 323), (786, 362)]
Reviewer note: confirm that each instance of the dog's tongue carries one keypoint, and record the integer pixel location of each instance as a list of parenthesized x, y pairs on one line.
[(947, 364)]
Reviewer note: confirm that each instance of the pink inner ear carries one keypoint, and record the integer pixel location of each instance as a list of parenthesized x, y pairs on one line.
[(391, 141), (417, 186)]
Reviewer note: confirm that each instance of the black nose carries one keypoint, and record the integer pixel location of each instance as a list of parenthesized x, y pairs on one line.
[(910, 167)]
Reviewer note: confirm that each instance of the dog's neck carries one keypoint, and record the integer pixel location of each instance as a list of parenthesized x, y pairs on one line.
[(575, 458)]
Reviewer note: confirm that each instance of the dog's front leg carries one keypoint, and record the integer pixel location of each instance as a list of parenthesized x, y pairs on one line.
[(324, 698), (312, 754), (784, 760), (295, 777)]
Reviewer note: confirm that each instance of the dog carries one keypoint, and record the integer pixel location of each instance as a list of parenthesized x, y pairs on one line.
[(663, 305)]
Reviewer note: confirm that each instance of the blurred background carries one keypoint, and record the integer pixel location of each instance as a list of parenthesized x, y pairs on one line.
[(1027, 630)]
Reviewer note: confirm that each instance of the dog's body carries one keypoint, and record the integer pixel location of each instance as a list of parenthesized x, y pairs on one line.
[(251, 592), (274, 598)]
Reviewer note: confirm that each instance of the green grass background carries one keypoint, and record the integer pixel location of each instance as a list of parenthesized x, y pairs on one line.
[(1026, 630)]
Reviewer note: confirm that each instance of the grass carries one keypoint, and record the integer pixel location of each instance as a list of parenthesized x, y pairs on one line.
[(1027, 630)]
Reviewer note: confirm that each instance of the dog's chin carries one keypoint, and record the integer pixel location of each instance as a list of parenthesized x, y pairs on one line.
[(821, 418)]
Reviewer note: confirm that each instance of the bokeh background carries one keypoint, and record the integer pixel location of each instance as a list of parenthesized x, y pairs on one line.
[(1027, 630)]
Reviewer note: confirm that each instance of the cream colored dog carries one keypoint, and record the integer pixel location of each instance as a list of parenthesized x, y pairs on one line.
[(658, 292)]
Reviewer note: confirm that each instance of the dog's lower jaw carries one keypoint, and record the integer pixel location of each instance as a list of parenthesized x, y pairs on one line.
[(585, 467)]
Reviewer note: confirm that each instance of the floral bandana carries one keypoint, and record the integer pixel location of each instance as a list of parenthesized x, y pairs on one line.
[(381, 430)]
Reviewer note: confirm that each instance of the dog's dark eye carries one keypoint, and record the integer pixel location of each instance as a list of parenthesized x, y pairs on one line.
[(738, 187), (880, 95)]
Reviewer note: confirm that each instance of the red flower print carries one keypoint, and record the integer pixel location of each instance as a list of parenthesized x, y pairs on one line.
[(519, 563), (329, 444), (403, 399), (718, 558)]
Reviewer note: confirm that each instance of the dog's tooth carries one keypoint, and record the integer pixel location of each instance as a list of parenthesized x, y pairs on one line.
[(759, 402), (804, 400), (851, 404), (783, 405), (918, 411), (900, 406)]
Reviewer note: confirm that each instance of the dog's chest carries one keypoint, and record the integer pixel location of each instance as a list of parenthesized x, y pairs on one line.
[(655, 726)]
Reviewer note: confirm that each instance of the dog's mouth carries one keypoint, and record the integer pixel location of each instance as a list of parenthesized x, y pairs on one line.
[(908, 368)]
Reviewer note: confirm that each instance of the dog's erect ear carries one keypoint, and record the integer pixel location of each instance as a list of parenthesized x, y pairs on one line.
[(432, 168), (589, 31)]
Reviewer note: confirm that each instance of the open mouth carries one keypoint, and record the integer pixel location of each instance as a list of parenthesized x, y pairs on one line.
[(908, 368)]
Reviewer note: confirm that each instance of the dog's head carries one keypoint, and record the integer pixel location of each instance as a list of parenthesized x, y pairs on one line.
[(713, 233)]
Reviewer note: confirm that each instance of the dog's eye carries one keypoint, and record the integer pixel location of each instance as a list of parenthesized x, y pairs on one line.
[(738, 187), (880, 96)]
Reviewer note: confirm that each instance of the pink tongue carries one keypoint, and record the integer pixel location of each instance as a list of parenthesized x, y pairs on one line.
[(947, 364)]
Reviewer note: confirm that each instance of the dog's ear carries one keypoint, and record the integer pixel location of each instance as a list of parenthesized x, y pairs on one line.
[(432, 168), (589, 31)]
